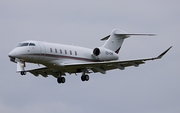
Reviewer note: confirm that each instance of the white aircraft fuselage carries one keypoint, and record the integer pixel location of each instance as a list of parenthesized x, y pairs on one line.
[(52, 54)]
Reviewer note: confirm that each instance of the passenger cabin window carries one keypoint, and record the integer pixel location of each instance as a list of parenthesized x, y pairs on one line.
[(31, 44), (65, 52), (56, 50), (51, 50), (60, 51), (75, 53)]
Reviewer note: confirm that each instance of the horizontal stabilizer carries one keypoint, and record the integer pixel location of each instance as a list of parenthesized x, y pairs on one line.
[(126, 35), (135, 34), (105, 38)]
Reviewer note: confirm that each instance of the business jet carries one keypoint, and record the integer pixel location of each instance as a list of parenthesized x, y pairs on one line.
[(59, 60)]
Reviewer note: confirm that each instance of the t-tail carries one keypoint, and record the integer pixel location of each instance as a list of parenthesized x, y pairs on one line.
[(116, 38)]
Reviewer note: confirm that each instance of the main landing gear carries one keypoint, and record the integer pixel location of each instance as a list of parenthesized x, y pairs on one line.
[(85, 78), (61, 80)]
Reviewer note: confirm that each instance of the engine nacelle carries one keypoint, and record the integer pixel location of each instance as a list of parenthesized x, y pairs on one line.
[(104, 54)]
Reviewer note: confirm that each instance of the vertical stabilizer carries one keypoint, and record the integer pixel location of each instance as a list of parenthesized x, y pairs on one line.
[(114, 40)]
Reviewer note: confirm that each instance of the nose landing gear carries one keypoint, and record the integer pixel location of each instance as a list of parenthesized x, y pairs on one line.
[(23, 72), (20, 66)]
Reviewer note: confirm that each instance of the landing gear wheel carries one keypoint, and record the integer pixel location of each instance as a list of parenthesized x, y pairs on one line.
[(61, 80), (85, 77), (23, 73)]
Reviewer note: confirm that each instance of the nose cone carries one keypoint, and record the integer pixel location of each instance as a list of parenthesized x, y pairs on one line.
[(12, 54)]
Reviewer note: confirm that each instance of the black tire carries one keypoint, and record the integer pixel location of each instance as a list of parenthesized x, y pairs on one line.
[(59, 80), (86, 77), (23, 73), (83, 78), (63, 80)]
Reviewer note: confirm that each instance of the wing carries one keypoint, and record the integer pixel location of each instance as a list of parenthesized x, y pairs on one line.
[(101, 67)]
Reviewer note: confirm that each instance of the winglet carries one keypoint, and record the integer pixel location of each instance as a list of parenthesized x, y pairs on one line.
[(162, 54)]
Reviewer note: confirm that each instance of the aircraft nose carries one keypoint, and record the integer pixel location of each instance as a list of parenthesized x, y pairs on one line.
[(12, 54)]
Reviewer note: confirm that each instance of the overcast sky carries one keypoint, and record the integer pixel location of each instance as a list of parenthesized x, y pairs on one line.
[(150, 88)]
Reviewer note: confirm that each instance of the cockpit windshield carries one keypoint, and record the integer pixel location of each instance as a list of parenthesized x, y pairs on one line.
[(26, 44), (31, 44)]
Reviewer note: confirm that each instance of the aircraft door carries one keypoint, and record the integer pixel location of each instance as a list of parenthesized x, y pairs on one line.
[(42, 51)]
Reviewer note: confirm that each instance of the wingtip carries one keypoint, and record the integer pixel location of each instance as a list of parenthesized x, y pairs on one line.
[(152, 34), (162, 54)]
